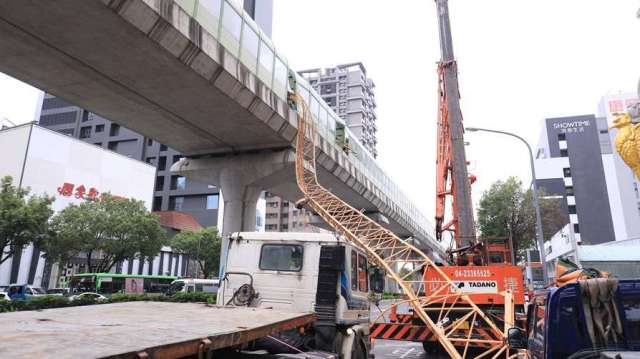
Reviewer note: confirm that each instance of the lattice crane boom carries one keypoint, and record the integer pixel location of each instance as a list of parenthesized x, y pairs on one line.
[(390, 253)]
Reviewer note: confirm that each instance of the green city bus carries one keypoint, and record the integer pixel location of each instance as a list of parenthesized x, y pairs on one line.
[(109, 283)]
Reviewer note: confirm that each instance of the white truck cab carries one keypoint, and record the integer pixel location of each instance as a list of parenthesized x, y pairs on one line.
[(305, 272)]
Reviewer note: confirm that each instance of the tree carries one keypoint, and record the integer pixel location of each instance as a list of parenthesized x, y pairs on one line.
[(109, 230), (23, 218), (202, 246), (506, 208)]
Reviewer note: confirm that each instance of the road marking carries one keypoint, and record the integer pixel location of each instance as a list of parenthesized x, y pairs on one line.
[(407, 353)]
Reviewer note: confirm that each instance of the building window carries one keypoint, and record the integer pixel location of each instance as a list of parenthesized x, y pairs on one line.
[(576, 228), (159, 183), (99, 144), (113, 145), (114, 130), (562, 137), (178, 182), (162, 163), (85, 115), (271, 227), (151, 160), (564, 153), (157, 204), (149, 142), (67, 131), (99, 128), (285, 227), (212, 201), (176, 203), (176, 158), (566, 172), (572, 209), (285, 204), (569, 191), (85, 132), (163, 147)]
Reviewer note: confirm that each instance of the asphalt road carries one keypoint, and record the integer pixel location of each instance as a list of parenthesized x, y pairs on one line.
[(391, 349)]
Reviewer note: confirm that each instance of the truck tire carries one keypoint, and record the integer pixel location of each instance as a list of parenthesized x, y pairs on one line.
[(433, 348)]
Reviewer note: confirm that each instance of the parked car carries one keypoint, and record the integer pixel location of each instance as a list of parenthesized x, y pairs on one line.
[(24, 291), (99, 298), (58, 291), (4, 296)]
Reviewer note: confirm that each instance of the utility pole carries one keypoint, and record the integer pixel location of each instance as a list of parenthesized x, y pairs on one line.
[(465, 227)]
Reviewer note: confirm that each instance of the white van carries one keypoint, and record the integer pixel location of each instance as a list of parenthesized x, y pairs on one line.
[(189, 285)]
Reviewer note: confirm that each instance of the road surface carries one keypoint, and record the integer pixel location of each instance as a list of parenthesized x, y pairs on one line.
[(391, 349)]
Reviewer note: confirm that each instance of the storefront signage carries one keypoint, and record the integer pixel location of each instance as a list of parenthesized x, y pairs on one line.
[(571, 127), (80, 192)]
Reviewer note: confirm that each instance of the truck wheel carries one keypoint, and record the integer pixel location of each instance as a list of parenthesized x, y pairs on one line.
[(432, 348)]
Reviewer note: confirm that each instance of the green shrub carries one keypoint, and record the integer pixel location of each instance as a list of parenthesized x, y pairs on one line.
[(193, 297), (56, 301), (123, 297)]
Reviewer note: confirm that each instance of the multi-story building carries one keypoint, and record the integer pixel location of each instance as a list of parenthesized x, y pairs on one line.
[(349, 92), (283, 216), (73, 171), (576, 160), (171, 192)]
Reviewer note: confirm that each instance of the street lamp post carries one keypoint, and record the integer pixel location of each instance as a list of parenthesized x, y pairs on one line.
[(536, 204)]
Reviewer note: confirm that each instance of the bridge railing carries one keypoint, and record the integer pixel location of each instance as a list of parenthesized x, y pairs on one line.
[(227, 22)]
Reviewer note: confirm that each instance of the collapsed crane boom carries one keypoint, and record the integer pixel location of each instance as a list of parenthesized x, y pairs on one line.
[(452, 176), (391, 253)]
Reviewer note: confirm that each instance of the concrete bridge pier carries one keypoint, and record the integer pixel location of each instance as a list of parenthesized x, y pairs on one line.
[(241, 178)]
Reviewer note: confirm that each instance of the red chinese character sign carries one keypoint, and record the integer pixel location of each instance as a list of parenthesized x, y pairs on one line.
[(81, 192), (66, 189)]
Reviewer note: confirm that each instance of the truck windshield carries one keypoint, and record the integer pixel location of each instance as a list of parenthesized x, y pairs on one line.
[(632, 314), (37, 290), (281, 257), (175, 287)]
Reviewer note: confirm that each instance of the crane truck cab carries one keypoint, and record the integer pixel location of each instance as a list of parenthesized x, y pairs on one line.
[(558, 321), (305, 272)]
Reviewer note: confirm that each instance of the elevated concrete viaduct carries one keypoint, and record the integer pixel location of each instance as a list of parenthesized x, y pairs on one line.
[(200, 77)]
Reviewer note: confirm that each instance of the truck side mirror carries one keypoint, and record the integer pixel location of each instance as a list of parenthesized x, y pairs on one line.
[(377, 281), (516, 338)]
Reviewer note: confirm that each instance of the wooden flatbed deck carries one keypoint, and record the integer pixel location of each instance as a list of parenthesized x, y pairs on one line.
[(136, 329)]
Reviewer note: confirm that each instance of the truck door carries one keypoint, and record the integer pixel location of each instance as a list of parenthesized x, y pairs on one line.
[(536, 328)]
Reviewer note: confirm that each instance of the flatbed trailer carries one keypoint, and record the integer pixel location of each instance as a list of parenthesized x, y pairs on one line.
[(138, 330)]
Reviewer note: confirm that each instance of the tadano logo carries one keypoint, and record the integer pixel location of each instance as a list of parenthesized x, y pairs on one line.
[(480, 286)]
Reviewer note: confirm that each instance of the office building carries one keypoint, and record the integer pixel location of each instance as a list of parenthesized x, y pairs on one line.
[(576, 161), (349, 92), (283, 216), (72, 171), (171, 192)]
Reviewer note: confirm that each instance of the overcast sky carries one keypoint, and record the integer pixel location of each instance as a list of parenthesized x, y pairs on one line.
[(519, 61)]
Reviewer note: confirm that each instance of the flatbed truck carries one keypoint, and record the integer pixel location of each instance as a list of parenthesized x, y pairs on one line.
[(283, 293)]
